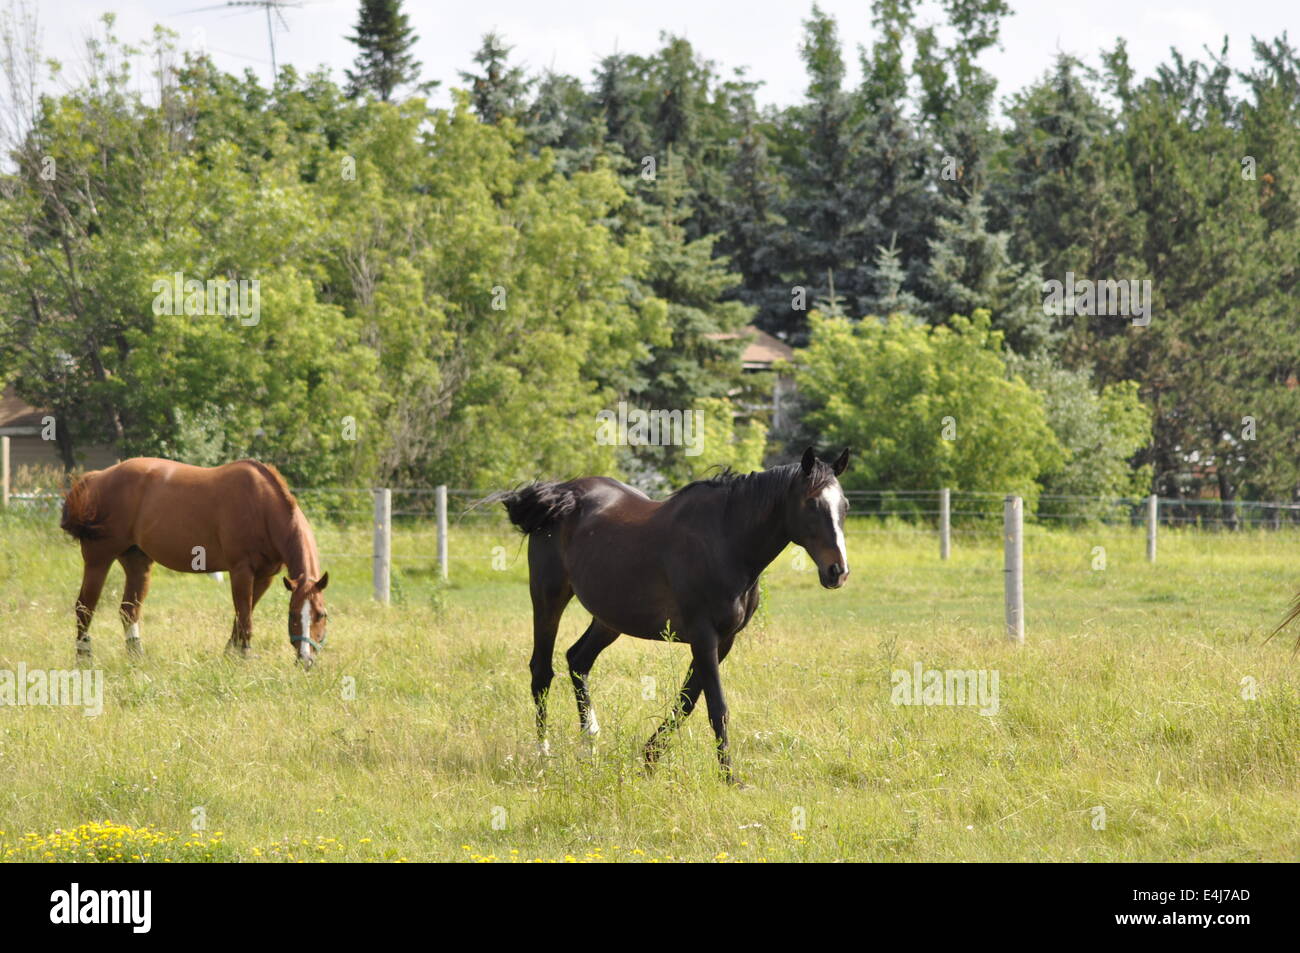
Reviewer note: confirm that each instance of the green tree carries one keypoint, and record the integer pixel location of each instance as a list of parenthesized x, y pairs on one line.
[(1217, 238), (385, 38), (970, 268), (697, 364), (129, 201), (1101, 431), (496, 293), (501, 91), (819, 152), (926, 407)]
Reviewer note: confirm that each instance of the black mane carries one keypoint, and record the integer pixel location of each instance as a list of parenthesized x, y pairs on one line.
[(762, 489)]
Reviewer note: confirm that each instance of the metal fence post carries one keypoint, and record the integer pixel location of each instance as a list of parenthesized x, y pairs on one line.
[(1013, 566), (442, 530), (383, 549), (945, 523), (1153, 519)]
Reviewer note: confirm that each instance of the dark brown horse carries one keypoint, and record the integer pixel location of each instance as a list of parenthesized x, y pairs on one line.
[(686, 568), (240, 518)]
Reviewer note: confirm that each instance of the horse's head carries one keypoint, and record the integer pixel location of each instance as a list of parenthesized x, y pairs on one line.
[(815, 516), (307, 616)]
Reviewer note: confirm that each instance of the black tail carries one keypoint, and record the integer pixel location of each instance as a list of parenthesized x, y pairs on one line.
[(539, 506)]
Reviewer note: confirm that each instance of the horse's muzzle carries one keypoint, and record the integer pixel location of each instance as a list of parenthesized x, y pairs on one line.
[(833, 576)]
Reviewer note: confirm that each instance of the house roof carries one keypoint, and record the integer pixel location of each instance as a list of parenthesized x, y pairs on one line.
[(761, 350), (16, 412)]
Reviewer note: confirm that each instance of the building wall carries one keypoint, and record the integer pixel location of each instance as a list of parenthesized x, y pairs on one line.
[(31, 450)]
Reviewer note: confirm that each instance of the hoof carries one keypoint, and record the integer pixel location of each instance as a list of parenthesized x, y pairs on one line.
[(543, 749), (134, 649)]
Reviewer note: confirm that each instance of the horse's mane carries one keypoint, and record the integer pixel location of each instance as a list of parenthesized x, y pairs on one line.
[(277, 480), (761, 489)]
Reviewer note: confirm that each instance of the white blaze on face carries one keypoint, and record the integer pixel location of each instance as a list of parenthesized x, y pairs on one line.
[(304, 647), (833, 497)]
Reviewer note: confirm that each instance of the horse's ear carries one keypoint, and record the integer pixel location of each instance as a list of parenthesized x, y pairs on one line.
[(323, 582), (808, 462), (288, 584), (841, 463)]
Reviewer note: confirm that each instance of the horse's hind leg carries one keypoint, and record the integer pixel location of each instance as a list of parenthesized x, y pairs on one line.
[(581, 656), (137, 567), (93, 574), (549, 587)]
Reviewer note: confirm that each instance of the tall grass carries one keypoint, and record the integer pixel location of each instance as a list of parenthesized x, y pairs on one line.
[(1142, 691)]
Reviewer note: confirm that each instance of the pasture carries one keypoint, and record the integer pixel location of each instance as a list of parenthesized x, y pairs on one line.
[(412, 739)]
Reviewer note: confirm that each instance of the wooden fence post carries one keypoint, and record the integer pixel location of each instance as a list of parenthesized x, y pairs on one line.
[(383, 549), (442, 530), (1013, 512)]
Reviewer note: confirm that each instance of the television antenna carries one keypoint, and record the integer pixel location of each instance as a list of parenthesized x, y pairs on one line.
[(269, 6)]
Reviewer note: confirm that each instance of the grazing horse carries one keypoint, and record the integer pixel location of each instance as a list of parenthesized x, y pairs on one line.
[(239, 517), (684, 569)]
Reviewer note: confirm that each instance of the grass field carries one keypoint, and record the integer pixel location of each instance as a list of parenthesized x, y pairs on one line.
[(1141, 690)]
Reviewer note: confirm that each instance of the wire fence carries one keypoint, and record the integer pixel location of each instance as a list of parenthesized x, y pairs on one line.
[(412, 527), (920, 510)]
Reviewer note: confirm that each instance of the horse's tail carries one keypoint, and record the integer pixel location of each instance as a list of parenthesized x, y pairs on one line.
[(1291, 616), (80, 520), (538, 506)]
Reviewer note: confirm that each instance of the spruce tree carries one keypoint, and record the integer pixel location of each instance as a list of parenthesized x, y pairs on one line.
[(383, 32), (501, 90)]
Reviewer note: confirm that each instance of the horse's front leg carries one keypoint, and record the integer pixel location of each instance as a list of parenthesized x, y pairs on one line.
[(703, 661), (241, 591), (706, 659), (684, 705)]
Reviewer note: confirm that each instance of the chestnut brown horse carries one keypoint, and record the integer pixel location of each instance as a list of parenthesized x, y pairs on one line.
[(684, 569), (239, 517)]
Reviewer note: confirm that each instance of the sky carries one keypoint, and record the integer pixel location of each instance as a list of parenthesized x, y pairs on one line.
[(571, 36)]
